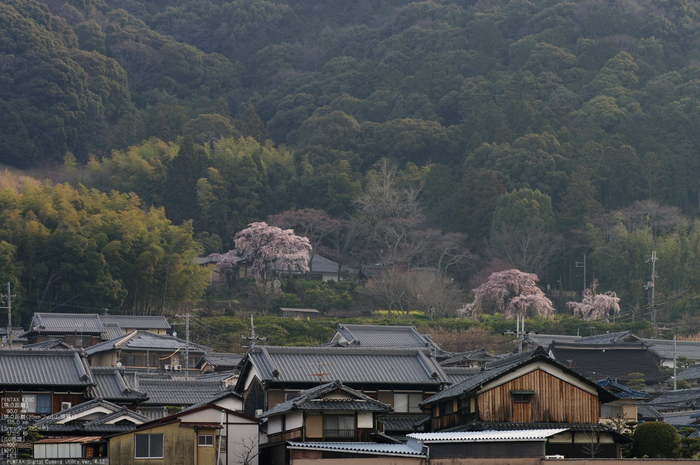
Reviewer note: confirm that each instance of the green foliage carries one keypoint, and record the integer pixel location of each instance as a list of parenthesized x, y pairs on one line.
[(656, 439)]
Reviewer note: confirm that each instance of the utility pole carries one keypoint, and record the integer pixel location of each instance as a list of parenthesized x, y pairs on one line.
[(583, 265), (187, 344), (252, 338), (8, 297), (650, 284), (674, 362)]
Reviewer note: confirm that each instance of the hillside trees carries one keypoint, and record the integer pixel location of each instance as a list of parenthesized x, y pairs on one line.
[(83, 250)]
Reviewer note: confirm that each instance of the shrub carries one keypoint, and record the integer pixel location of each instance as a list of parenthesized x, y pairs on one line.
[(656, 439)]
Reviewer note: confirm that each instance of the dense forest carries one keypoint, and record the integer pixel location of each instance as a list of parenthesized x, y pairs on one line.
[(467, 136)]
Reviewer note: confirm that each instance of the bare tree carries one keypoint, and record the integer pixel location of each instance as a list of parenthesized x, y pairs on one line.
[(249, 450), (529, 248), (592, 446), (652, 214)]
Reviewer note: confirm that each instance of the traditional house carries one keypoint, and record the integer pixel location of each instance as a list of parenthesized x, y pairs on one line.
[(146, 350), (617, 361), (85, 330), (173, 440), (330, 412), (392, 337), (526, 392), (667, 350), (219, 361), (91, 418), (299, 313), (35, 383), (116, 385), (472, 358), (623, 410), (15, 339), (402, 378), (166, 395)]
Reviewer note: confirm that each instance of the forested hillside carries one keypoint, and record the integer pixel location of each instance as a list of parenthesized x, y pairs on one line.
[(531, 132)]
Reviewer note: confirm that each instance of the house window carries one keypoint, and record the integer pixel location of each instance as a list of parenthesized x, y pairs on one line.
[(414, 401), (522, 397), (131, 360), (206, 440), (339, 426), (149, 446), (610, 411), (36, 403)]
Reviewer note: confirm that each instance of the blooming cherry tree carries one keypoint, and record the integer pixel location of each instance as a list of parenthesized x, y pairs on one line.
[(267, 247), (512, 293), (596, 306)]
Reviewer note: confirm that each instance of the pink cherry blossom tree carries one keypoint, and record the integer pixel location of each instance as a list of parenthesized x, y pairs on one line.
[(596, 306), (512, 293), (267, 247)]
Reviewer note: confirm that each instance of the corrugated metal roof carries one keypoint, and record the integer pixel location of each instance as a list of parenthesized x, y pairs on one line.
[(488, 436), (43, 367), (349, 365), (71, 440), (359, 448)]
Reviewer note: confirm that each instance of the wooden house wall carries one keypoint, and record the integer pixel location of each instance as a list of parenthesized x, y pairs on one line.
[(180, 447), (555, 400)]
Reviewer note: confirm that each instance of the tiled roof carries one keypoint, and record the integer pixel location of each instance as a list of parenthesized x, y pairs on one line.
[(478, 355), (220, 359), (622, 391), (372, 448), (178, 392), (50, 344), (111, 331), (17, 334), (111, 384), (349, 365), (20, 367), (313, 399), (664, 348), (403, 422), (218, 375), (496, 369), (610, 338), (94, 323), (136, 321), (617, 361), (145, 340), (546, 339), (674, 400), (680, 419), (458, 374), (381, 336), (97, 425), (647, 412), (229, 391), (692, 372)]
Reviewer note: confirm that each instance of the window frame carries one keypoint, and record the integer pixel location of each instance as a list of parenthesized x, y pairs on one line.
[(149, 456), (205, 444)]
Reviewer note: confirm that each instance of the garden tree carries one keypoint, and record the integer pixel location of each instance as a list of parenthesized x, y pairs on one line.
[(690, 443), (267, 247), (512, 293), (522, 231), (596, 306), (656, 439)]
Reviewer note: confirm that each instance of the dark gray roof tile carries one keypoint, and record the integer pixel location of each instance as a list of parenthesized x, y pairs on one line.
[(178, 392), (20, 367)]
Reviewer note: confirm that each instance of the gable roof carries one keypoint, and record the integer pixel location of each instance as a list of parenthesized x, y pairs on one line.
[(458, 374), (610, 338), (50, 344), (312, 399), (220, 359), (497, 369), (674, 400), (92, 323), (381, 336), (349, 365), (178, 391), (620, 390), (228, 392), (111, 384), (692, 372), (20, 367), (145, 340), (106, 422), (17, 334), (617, 361), (477, 355)]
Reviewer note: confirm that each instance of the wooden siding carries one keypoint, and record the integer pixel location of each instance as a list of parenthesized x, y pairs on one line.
[(554, 400), (180, 448)]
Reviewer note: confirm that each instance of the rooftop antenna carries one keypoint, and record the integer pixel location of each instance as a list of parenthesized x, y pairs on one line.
[(320, 373)]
